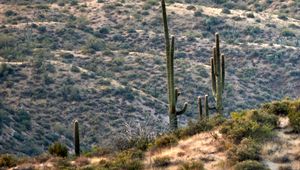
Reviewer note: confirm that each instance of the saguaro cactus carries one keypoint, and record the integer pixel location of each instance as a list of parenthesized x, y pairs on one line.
[(200, 108), (76, 138), (206, 107), (172, 92), (218, 75)]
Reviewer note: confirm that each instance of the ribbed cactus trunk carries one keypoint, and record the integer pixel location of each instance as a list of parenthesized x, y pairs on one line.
[(218, 75), (76, 138), (200, 108), (206, 107), (172, 92)]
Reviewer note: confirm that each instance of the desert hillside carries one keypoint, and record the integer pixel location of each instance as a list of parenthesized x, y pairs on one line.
[(266, 138), (102, 62)]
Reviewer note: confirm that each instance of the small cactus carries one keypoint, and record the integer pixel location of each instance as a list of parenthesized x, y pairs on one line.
[(76, 138), (172, 92)]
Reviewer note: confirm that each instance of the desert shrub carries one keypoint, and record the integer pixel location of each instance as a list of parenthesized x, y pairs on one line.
[(226, 11), (70, 93), (93, 45), (283, 17), (253, 30), (5, 70), (219, 1), (194, 128), (125, 160), (263, 118), (191, 165), (97, 152), (9, 13), (161, 161), (67, 55), (242, 126), (166, 140), (248, 149), (280, 108), (62, 163), (58, 149), (42, 29), (250, 165), (288, 33), (75, 69), (250, 15), (7, 161), (294, 117), (198, 13)]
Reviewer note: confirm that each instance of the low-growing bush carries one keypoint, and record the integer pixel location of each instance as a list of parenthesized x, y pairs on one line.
[(166, 140), (5, 70), (191, 165), (250, 165), (294, 117), (125, 160), (58, 149), (248, 149), (194, 128), (243, 125), (97, 151), (161, 161), (7, 161)]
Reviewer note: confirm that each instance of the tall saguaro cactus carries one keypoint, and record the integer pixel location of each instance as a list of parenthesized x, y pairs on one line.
[(172, 92), (76, 138), (218, 75)]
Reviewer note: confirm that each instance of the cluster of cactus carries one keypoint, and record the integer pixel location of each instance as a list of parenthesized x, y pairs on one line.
[(172, 92), (218, 74), (76, 138)]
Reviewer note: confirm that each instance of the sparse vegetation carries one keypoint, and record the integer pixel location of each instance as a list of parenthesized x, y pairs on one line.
[(101, 62), (58, 149)]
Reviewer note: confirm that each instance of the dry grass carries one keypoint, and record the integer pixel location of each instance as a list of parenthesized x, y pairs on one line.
[(205, 146)]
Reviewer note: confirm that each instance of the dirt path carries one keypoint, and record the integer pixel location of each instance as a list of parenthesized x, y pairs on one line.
[(284, 150)]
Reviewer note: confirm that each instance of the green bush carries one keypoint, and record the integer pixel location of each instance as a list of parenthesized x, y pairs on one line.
[(194, 128), (283, 17), (294, 117), (7, 161), (58, 149), (126, 160), (161, 161), (250, 165), (5, 70), (191, 165), (243, 125), (165, 141), (248, 149), (280, 108)]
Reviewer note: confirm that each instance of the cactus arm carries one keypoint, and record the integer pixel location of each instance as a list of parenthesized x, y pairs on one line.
[(215, 61), (213, 78), (166, 29), (177, 94), (217, 44), (182, 110)]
